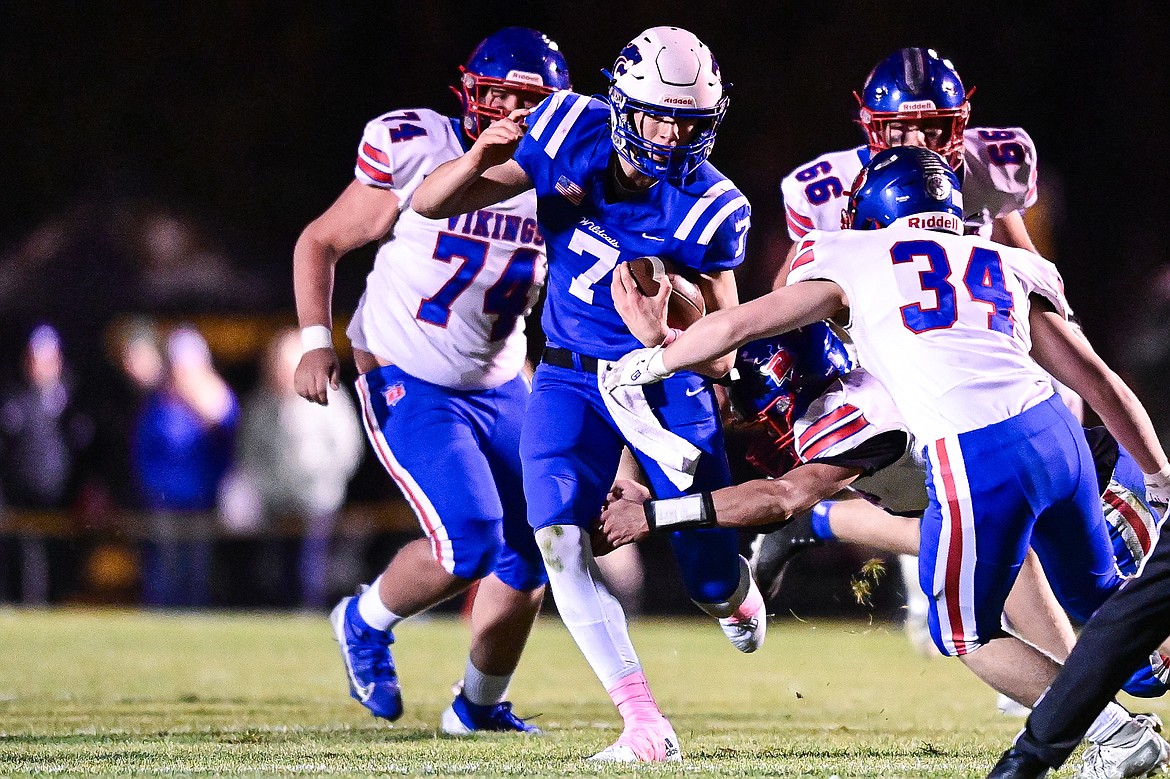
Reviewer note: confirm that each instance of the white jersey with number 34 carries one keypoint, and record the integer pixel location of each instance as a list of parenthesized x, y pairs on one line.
[(446, 298), (941, 320), (999, 176)]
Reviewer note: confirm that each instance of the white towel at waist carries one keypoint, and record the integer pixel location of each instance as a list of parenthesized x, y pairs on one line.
[(634, 418)]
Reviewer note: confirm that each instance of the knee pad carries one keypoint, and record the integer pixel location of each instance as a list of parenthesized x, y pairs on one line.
[(709, 562), (726, 607), (580, 596), (521, 570), (962, 646), (477, 554)]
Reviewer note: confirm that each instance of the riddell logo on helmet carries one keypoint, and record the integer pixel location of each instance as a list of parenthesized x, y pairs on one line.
[(935, 222), (523, 77), (683, 100), (918, 105)]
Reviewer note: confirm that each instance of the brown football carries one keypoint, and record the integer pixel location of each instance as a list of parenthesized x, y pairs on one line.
[(686, 304)]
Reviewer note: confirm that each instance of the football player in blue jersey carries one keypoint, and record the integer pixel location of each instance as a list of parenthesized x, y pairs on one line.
[(621, 178), (440, 346)]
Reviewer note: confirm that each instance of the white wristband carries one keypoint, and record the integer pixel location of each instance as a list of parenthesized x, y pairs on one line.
[(688, 511), (316, 337), (1161, 478), (656, 367)]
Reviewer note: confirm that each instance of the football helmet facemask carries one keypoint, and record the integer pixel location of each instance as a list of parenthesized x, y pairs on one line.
[(516, 59), (915, 85), (665, 73)]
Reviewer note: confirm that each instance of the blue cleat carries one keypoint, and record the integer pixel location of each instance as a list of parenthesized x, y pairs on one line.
[(373, 682), (464, 718)]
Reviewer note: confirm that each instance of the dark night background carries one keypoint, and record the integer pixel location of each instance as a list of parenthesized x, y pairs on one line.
[(241, 119)]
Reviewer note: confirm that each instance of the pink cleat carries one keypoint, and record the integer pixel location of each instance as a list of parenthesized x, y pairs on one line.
[(645, 742), (748, 625)]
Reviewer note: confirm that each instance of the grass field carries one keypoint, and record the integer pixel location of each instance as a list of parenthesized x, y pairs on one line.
[(129, 693)]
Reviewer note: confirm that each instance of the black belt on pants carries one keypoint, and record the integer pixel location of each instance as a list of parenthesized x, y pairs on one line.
[(563, 358)]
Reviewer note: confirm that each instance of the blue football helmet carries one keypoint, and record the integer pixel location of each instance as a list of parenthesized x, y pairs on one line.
[(666, 73), (779, 378), (908, 186), (915, 85), (517, 59)]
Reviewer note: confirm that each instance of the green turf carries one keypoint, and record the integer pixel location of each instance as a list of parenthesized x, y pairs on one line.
[(127, 693)]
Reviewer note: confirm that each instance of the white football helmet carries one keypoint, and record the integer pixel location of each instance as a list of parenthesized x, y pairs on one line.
[(666, 72)]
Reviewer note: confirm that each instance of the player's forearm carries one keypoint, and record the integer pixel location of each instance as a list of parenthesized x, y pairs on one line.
[(313, 264), (765, 501), (720, 366), (442, 193), (704, 341), (720, 293), (1126, 418), (757, 503), (1069, 357), (777, 312)]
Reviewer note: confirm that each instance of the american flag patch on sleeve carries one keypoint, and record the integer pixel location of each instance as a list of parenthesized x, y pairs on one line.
[(569, 190)]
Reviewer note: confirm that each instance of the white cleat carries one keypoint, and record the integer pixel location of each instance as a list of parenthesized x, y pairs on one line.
[(746, 632), (1134, 750), (643, 744)]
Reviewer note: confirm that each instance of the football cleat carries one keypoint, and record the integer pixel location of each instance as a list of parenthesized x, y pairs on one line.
[(746, 631), (1014, 764), (464, 718), (369, 668), (643, 743), (771, 552), (1134, 750)]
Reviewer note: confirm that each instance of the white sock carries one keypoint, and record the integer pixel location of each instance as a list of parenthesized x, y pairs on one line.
[(374, 611), (1108, 722), (483, 689), (593, 616)]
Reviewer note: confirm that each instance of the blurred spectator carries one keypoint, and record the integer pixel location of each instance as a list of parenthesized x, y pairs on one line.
[(182, 448), (294, 459), (41, 437)]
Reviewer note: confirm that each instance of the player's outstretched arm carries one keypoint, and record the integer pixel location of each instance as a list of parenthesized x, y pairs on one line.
[(361, 214), (777, 312), (483, 176), (723, 331), (1063, 352), (630, 515)]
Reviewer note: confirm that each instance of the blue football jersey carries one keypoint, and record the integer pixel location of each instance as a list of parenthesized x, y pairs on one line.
[(701, 224)]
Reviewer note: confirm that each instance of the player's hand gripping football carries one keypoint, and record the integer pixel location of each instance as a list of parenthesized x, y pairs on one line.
[(318, 370), (623, 520), (498, 142), (644, 315), (641, 366)]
